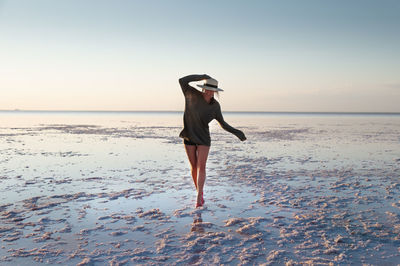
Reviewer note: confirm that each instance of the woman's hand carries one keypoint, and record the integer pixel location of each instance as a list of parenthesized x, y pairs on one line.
[(241, 136)]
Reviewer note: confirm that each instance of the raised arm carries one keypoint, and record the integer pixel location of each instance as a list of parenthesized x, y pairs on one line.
[(227, 127), (184, 82)]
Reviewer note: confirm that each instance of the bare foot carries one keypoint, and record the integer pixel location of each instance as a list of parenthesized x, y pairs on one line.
[(200, 200)]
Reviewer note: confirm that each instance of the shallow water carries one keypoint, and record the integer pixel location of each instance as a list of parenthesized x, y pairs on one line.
[(103, 188)]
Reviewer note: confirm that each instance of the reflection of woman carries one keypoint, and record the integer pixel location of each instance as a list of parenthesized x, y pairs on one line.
[(197, 225), (200, 109)]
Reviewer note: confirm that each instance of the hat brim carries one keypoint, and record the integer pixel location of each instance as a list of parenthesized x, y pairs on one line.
[(210, 88)]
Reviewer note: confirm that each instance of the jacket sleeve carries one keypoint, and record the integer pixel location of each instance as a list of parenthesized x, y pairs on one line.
[(227, 127), (184, 82)]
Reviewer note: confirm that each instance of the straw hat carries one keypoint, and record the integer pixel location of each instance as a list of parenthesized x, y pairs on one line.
[(210, 84)]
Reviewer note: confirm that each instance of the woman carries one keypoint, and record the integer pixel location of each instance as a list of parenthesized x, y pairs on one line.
[(200, 109)]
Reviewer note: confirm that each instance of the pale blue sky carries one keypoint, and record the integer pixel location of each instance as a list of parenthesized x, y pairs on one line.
[(267, 55)]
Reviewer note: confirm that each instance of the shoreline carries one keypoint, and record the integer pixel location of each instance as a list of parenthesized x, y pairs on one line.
[(333, 113)]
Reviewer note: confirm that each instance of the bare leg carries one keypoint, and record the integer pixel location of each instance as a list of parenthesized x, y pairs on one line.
[(202, 155), (191, 151)]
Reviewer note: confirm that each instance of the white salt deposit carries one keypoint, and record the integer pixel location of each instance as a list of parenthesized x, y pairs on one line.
[(86, 190)]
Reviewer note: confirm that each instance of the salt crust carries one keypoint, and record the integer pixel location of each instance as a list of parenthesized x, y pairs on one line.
[(309, 214)]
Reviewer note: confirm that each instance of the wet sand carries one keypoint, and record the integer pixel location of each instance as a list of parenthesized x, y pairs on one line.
[(301, 190)]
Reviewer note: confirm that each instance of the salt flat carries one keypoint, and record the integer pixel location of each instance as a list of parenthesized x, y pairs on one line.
[(97, 189)]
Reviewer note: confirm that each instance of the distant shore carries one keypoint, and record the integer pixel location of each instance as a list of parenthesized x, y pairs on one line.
[(181, 112)]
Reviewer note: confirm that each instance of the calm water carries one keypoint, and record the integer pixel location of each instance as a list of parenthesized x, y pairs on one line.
[(35, 143), (31, 118)]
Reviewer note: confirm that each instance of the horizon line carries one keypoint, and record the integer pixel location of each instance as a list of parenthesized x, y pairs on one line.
[(181, 111)]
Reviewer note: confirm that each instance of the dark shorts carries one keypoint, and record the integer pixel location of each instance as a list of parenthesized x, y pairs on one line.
[(188, 142)]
